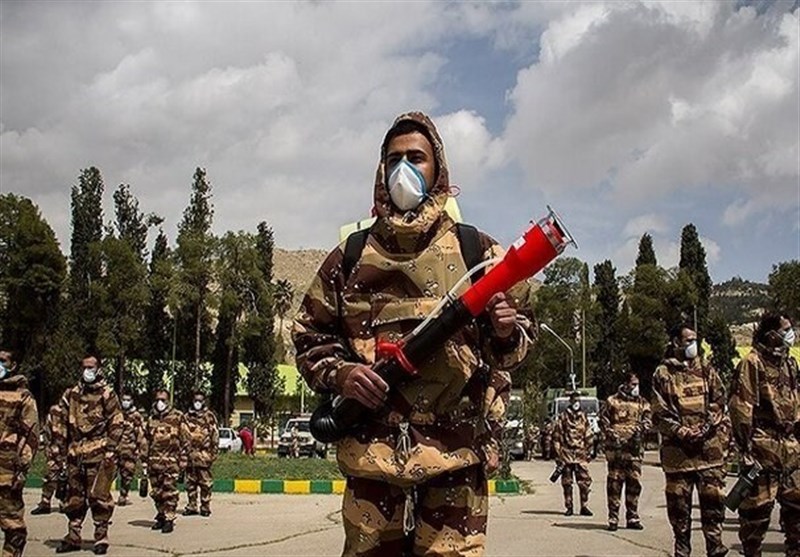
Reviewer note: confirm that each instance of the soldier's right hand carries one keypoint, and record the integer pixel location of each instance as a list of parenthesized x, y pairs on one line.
[(365, 386)]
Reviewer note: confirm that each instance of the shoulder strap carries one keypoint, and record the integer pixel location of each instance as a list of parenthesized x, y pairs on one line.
[(352, 250), (470, 242)]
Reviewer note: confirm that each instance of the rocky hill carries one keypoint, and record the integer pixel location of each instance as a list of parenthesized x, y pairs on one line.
[(740, 301), (298, 267)]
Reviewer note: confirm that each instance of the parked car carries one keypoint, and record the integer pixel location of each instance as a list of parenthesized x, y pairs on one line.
[(307, 445), (229, 440)]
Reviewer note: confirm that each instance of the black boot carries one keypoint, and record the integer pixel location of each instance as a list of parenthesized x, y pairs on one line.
[(42, 508), (169, 526), (159, 522), (67, 547), (100, 549)]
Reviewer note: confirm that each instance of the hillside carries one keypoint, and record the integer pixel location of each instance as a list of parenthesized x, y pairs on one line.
[(740, 301), (298, 267)]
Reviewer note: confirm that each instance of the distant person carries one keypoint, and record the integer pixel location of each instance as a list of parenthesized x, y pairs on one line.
[(55, 464), (19, 440), (166, 458), (624, 420), (131, 446), (572, 443), (295, 437), (202, 433), (689, 412), (765, 410), (247, 440), (88, 433)]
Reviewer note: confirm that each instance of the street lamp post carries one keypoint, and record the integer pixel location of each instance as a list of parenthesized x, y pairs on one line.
[(547, 328)]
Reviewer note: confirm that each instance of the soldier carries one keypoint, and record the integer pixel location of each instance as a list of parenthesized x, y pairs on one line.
[(55, 465), (765, 410), (531, 434), (427, 446), (88, 431), (19, 440), (202, 432), (689, 412), (294, 450), (131, 446), (165, 459), (547, 439), (572, 443), (624, 420)]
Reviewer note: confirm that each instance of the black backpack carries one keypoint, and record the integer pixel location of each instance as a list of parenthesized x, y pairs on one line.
[(468, 239)]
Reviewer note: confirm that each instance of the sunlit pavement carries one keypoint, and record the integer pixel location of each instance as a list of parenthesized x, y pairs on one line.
[(306, 525)]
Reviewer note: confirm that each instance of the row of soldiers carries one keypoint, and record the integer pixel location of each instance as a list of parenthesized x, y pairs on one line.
[(89, 437), (697, 421)]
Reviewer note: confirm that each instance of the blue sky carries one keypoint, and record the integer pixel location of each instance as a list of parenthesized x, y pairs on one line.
[(626, 117)]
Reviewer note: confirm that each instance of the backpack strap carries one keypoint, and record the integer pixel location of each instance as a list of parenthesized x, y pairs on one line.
[(352, 250), (470, 242)]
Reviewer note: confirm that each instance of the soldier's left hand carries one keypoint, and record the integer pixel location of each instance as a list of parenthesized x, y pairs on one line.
[(502, 314)]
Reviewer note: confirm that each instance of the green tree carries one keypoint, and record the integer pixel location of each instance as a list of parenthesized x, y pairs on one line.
[(784, 288), (194, 253), (85, 262), (646, 255), (158, 325), (607, 357), (723, 346), (32, 274), (693, 262)]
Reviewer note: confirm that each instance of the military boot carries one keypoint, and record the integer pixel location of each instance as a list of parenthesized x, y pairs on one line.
[(42, 508)]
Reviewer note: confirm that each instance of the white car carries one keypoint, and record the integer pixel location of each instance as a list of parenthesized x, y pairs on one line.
[(306, 444), (229, 440)]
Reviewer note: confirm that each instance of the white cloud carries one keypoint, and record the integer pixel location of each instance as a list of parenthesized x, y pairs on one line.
[(470, 148)]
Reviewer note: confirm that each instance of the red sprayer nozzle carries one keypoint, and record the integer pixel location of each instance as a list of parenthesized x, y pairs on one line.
[(540, 244)]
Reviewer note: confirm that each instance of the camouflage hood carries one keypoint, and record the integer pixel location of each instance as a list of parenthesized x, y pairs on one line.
[(406, 227), (14, 382)]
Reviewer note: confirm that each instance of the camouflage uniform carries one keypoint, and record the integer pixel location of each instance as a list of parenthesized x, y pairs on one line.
[(765, 410), (201, 430), (572, 443), (19, 440), (692, 395), (166, 456), (547, 440), (131, 446), (87, 431), (54, 463), (430, 443), (623, 421)]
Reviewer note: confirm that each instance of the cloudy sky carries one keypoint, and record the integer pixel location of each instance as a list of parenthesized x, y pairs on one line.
[(626, 117)]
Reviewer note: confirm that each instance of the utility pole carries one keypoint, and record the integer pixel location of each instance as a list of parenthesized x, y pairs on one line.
[(547, 328)]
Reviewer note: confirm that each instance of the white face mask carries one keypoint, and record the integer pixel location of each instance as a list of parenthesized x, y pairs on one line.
[(198, 405), (407, 186), (691, 351), (3, 371), (576, 406), (126, 404), (161, 405), (789, 338), (635, 391), (89, 374)]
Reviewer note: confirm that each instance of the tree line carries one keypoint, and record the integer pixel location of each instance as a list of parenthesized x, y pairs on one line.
[(615, 324), (182, 316)]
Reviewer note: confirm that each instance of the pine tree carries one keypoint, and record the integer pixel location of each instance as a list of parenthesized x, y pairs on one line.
[(647, 255), (607, 358), (195, 250), (693, 261), (85, 267), (158, 325), (723, 346), (784, 288)]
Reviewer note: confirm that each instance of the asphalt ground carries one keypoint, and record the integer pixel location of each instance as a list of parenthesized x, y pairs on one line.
[(310, 525)]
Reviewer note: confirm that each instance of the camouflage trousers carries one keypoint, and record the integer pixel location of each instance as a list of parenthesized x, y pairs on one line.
[(12, 521), (198, 478), (756, 510), (581, 472), (164, 490), (127, 468), (710, 485), (80, 479), (50, 481), (627, 473), (445, 516)]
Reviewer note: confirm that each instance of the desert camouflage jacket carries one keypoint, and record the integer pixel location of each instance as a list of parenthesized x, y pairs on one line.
[(50, 447), (410, 261), (623, 421), (765, 406), (572, 437), (19, 430), (167, 445), (692, 396), (89, 424), (201, 431), (132, 442)]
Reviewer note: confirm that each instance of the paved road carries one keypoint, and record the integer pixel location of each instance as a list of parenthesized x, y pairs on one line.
[(310, 525)]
